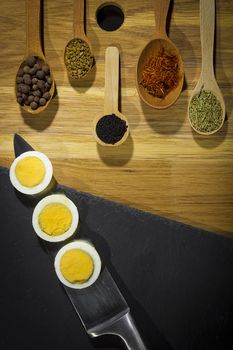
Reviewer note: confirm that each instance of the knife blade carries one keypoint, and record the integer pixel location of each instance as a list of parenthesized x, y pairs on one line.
[(102, 309)]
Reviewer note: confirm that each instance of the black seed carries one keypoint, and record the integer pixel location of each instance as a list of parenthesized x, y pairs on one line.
[(34, 105), (49, 80), (110, 129), (47, 86), (31, 60), (34, 80), (26, 69), (30, 98), (34, 87), (42, 101), (45, 69), (36, 66), (19, 80), (47, 95), (32, 71), (20, 100), (41, 84), (40, 74), (20, 72), (25, 88), (36, 93)]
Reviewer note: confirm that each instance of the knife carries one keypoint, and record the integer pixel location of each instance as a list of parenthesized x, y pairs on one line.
[(101, 307)]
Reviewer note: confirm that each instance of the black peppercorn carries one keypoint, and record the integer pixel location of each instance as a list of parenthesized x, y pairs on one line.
[(42, 101), (34, 80), (19, 87), (31, 60), (20, 100), (19, 80), (46, 95), (47, 86), (25, 88), (40, 74), (33, 105), (30, 98), (32, 71), (27, 79), (24, 96), (36, 99), (34, 87), (36, 66), (49, 79), (26, 69), (45, 69), (41, 84), (20, 72), (37, 93), (26, 102)]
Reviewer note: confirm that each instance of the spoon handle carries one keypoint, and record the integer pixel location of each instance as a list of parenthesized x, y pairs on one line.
[(161, 10), (78, 21), (207, 26), (111, 80), (33, 28)]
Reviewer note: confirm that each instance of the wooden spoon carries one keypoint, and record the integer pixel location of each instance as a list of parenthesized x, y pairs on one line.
[(33, 46), (207, 80), (111, 93), (151, 49), (79, 33)]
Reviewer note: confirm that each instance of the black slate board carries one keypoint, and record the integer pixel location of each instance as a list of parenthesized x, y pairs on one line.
[(177, 280)]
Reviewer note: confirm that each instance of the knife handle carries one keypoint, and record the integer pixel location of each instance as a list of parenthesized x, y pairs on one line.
[(126, 329)]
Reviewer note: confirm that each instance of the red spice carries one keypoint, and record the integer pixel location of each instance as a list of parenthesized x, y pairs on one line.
[(161, 74)]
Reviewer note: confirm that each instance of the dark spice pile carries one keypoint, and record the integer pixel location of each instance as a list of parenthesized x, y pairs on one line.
[(33, 83), (161, 74), (110, 129)]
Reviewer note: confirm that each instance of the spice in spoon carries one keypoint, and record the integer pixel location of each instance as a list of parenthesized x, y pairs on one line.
[(110, 129), (78, 58), (33, 83), (161, 74), (205, 112)]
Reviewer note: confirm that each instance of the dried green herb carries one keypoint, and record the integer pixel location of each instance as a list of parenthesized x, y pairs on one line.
[(205, 112), (78, 58)]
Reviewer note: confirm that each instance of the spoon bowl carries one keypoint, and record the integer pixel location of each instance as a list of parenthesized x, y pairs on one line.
[(207, 80), (118, 143), (79, 35), (111, 95), (151, 50), (33, 48), (159, 41), (51, 91)]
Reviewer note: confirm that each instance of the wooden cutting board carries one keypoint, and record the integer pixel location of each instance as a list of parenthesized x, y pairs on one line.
[(164, 167)]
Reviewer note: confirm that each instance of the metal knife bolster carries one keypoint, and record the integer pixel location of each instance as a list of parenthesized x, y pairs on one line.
[(124, 327)]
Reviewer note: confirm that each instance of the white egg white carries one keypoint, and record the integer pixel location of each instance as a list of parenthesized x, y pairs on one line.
[(52, 199), (47, 178), (86, 247)]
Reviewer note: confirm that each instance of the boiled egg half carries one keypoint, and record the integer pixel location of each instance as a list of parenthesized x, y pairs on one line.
[(77, 264), (55, 218), (31, 172)]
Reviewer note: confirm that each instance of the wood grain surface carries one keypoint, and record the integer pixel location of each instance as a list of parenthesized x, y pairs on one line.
[(163, 167)]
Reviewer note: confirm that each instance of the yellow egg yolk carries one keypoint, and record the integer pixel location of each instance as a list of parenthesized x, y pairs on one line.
[(76, 266), (55, 219), (30, 171)]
